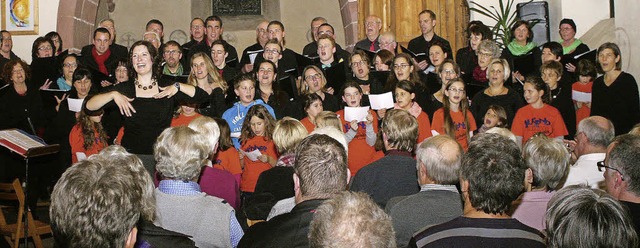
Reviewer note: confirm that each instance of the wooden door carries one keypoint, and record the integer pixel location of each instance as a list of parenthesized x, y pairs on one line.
[(401, 17)]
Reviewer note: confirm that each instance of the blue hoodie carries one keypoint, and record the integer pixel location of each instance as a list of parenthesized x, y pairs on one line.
[(235, 117)]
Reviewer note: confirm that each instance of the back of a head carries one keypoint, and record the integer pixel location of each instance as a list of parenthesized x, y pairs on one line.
[(287, 133), (400, 129), (441, 156), (495, 171), (578, 216), (334, 133), (208, 127), (599, 130), (180, 153), (328, 118), (351, 219), (624, 157), (548, 160), (321, 166), (98, 201)]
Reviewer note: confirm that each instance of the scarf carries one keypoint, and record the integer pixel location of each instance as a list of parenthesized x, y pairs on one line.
[(517, 50), (573, 46), (480, 75), (100, 59), (62, 84), (166, 70), (415, 109)]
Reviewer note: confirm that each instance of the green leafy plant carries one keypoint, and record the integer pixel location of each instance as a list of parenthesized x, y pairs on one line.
[(504, 18)]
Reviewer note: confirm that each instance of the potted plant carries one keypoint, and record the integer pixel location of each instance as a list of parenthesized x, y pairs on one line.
[(504, 18)]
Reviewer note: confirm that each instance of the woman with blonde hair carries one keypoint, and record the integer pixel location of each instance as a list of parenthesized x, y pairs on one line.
[(205, 76), (314, 81)]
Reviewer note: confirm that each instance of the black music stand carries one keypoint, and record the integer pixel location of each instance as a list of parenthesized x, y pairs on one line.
[(28, 146)]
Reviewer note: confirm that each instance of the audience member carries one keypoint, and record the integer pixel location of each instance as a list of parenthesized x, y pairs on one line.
[(491, 178), (113, 197), (333, 223), (621, 173), (547, 161), (438, 201), (181, 206), (320, 172), (395, 173), (583, 217), (589, 147)]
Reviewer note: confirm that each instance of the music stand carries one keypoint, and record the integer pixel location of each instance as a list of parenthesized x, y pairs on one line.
[(28, 146)]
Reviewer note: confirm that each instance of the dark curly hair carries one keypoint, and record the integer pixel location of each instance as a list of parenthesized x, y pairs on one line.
[(7, 70)]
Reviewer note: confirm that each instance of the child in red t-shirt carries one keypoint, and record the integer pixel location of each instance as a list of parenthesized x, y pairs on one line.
[(361, 136), (313, 106), (586, 73), (185, 115), (87, 137), (454, 118), (227, 157), (538, 116), (405, 99), (256, 133), (495, 116)]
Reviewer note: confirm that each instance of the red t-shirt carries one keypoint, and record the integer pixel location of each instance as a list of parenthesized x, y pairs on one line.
[(424, 127), (458, 122), (253, 169), (76, 140), (308, 125), (183, 120), (584, 111), (228, 160), (360, 153), (529, 121)]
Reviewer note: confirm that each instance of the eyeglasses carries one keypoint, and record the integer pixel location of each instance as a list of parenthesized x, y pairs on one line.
[(45, 48), (325, 32), (314, 76), (601, 165), (274, 51), (400, 66), (357, 63), (481, 54), (448, 72), (453, 90), (70, 65)]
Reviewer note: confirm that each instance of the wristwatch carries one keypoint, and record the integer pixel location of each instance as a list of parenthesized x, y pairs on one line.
[(177, 85)]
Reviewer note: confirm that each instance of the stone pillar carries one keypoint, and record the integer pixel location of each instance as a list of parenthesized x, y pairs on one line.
[(349, 11), (76, 22)]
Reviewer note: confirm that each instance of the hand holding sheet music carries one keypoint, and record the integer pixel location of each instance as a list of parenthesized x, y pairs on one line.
[(381, 101), (580, 96), (356, 113), (252, 155)]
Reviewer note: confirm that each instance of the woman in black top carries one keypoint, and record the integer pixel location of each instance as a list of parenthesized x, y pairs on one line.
[(571, 46), (315, 82), (467, 57), (147, 102), (268, 90), (615, 94), (204, 75), (497, 93), (369, 81), (521, 52)]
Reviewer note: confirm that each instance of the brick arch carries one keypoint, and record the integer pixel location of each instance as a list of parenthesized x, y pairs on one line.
[(76, 21)]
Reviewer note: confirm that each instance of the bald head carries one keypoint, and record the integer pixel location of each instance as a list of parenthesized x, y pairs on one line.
[(439, 159)]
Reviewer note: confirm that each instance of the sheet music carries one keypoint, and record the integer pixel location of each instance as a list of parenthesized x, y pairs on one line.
[(252, 155), (20, 139), (356, 113), (75, 105), (381, 101), (580, 96)]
